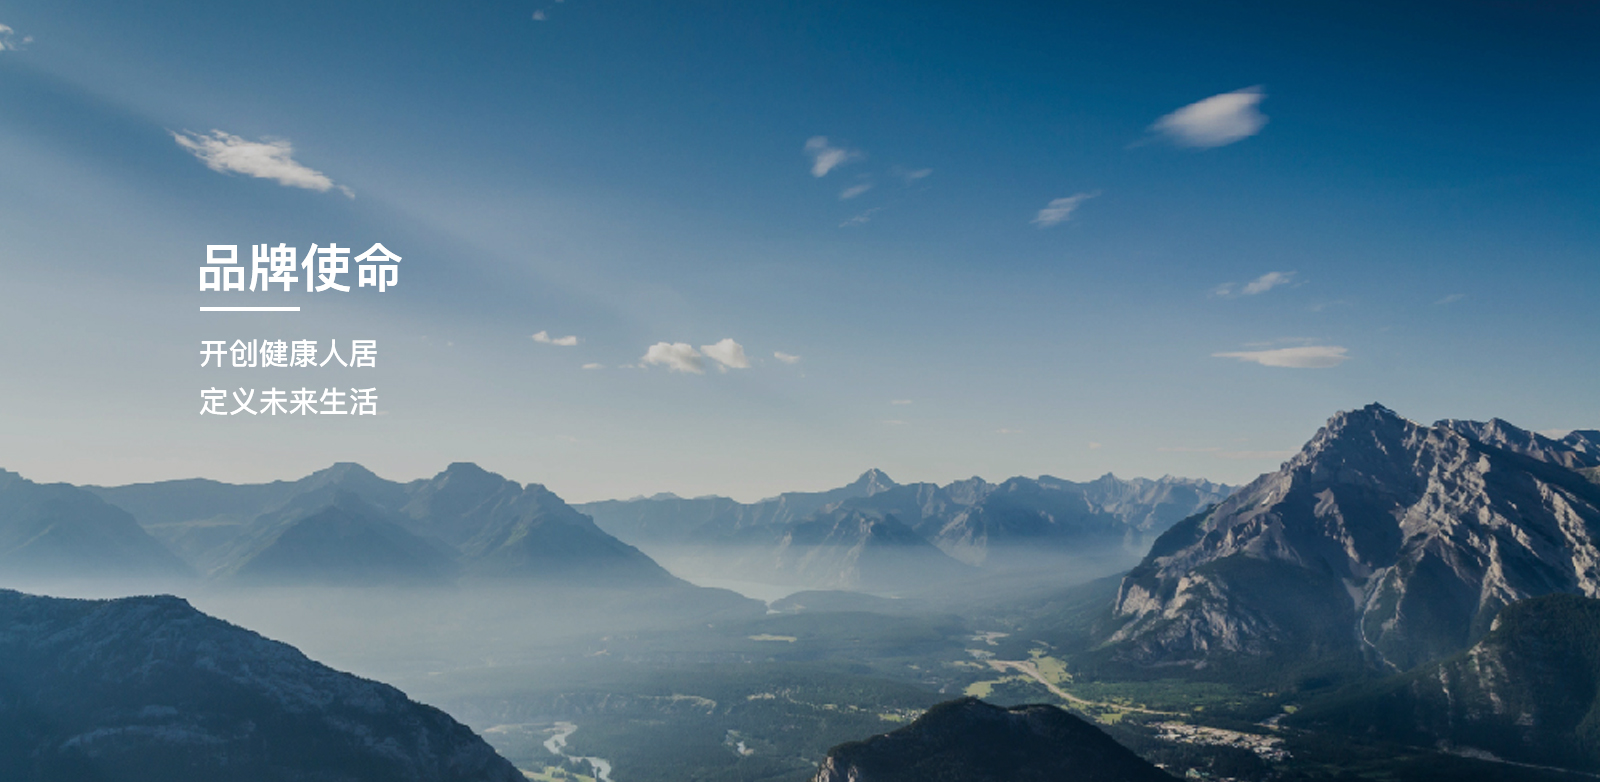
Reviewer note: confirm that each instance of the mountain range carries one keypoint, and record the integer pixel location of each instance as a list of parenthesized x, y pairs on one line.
[(50, 530), (147, 689), (876, 534), (1383, 541), (346, 525)]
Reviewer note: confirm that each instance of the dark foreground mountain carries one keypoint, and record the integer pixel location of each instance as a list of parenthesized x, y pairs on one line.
[(147, 689), (968, 740), (1382, 540), (1529, 691), (52, 531)]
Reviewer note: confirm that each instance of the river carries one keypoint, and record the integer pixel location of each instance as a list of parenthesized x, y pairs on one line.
[(557, 745)]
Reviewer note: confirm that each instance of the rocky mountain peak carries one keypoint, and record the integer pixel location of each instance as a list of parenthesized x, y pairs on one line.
[(1398, 541), (1570, 452), (872, 482)]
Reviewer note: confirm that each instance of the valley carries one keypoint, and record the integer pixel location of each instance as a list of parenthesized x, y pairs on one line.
[(1397, 602)]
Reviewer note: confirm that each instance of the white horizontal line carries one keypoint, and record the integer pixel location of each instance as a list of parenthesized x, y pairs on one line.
[(249, 309)]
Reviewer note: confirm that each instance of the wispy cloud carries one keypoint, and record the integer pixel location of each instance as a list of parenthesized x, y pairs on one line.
[(9, 42), (787, 358), (1305, 357), (1094, 446), (1257, 286), (594, 366), (1008, 431), (675, 356), (825, 157), (861, 219), (544, 336), (728, 355), (266, 159), (910, 176), (1060, 210), (1452, 298), (539, 16), (1216, 121), (854, 190), (900, 401)]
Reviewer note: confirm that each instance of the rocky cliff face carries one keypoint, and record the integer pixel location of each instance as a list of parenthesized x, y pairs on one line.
[(147, 688), (1382, 536), (971, 741), (1528, 691)]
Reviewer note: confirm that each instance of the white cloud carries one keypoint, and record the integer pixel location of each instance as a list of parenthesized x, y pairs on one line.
[(9, 41), (1094, 446), (727, 353), (1008, 431), (786, 358), (1216, 121), (1266, 282), (825, 158), (594, 366), (1259, 285), (1452, 298), (1060, 210), (1306, 357), (266, 159), (544, 336), (539, 16), (675, 356), (900, 401), (855, 190)]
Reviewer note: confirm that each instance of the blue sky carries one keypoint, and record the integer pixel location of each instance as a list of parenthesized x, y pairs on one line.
[(1028, 239)]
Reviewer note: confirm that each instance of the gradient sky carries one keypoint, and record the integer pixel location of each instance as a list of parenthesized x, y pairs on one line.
[(1001, 239)]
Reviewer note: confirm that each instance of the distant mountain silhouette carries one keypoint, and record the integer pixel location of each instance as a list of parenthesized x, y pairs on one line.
[(667, 518), (506, 530), (54, 531), (848, 549), (346, 525), (345, 543), (964, 518), (1021, 525)]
